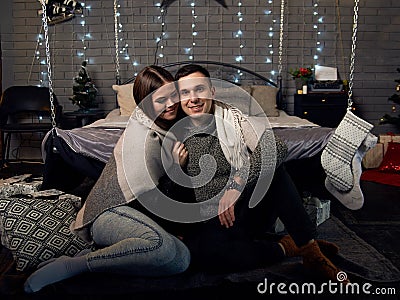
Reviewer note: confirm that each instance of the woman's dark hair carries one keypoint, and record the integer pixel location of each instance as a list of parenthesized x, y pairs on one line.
[(146, 82)]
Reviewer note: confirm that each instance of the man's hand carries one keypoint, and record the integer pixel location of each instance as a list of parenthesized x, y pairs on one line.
[(226, 208), (180, 154)]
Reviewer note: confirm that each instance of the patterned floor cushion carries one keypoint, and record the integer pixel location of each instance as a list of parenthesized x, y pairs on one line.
[(37, 229)]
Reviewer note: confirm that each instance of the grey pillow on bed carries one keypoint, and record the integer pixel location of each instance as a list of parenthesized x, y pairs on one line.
[(266, 97), (241, 97), (237, 96), (125, 99)]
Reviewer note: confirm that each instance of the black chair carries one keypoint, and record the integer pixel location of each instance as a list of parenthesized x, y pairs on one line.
[(25, 109)]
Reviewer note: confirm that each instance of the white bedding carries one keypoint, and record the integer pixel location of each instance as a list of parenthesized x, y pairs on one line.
[(115, 120), (285, 121)]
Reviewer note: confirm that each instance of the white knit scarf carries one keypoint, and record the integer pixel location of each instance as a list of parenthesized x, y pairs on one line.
[(230, 133)]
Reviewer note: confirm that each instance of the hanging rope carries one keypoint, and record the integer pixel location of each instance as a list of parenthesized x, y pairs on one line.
[(48, 59), (281, 37), (353, 54), (117, 66)]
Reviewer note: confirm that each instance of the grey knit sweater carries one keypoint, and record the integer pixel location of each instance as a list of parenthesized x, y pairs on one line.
[(202, 141)]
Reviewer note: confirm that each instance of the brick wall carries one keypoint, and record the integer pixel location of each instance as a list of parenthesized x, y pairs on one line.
[(377, 49)]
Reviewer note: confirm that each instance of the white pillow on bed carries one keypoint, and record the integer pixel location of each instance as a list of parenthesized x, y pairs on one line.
[(125, 99)]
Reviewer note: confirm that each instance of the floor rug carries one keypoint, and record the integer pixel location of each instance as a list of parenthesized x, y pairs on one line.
[(380, 177), (360, 261)]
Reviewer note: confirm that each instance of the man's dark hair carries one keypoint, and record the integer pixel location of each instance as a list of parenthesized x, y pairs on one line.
[(190, 69)]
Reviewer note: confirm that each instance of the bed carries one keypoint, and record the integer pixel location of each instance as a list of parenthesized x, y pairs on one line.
[(83, 152)]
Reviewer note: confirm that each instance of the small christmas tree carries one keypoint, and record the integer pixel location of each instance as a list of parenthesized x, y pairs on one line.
[(395, 98), (84, 90)]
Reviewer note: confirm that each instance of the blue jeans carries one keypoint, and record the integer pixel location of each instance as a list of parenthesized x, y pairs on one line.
[(131, 243)]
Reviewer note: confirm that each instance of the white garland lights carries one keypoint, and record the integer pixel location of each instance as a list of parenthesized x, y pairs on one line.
[(190, 51), (317, 20), (160, 39), (239, 34), (124, 51), (41, 62), (84, 35), (270, 32)]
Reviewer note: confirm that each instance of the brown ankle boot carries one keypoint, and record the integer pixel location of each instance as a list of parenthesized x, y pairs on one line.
[(314, 260), (327, 248)]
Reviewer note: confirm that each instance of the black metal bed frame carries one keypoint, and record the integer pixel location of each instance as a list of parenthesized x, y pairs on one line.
[(265, 80)]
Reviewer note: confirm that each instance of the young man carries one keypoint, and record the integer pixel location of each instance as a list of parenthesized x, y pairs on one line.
[(238, 164)]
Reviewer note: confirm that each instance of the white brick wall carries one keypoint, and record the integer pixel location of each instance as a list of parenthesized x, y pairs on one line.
[(377, 50)]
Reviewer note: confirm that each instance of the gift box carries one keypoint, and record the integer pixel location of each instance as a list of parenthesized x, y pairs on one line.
[(374, 156), (386, 138), (318, 209), (19, 185)]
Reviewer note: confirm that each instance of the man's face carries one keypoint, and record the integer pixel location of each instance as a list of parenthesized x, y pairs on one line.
[(196, 94)]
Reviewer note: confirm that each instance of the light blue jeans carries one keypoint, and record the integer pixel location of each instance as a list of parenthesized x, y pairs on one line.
[(131, 243)]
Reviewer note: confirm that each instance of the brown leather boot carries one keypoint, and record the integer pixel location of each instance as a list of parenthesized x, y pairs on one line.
[(327, 248)]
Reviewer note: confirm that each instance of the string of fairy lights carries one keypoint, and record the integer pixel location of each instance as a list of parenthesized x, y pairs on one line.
[(317, 20), (239, 33), (190, 50), (160, 41), (123, 45), (269, 59), (85, 34)]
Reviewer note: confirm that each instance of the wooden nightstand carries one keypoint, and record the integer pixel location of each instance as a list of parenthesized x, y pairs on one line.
[(324, 109)]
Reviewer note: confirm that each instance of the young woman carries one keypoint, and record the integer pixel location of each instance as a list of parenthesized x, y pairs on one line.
[(125, 240), (235, 238)]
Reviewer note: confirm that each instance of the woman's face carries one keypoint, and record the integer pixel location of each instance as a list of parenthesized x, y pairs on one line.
[(166, 102)]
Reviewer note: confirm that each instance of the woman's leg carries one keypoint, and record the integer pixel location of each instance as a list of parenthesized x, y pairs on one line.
[(131, 244)]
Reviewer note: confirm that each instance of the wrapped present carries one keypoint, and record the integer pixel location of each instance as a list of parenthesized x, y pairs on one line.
[(19, 185), (374, 156), (318, 209), (30, 186), (386, 138)]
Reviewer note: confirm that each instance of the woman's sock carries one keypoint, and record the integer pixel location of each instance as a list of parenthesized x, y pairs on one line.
[(61, 268)]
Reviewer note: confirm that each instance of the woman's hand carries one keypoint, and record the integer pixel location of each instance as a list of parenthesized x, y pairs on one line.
[(180, 154), (226, 208)]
